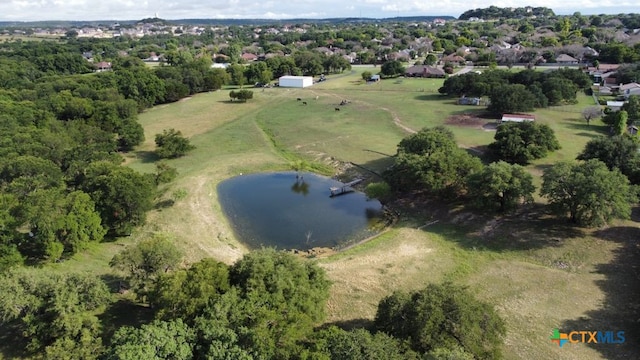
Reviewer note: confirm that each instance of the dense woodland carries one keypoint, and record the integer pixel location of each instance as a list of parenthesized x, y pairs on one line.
[(64, 128)]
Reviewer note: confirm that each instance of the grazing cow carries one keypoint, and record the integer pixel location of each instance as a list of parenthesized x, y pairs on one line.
[(317, 97), (337, 109), (299, 99), (304, 103)]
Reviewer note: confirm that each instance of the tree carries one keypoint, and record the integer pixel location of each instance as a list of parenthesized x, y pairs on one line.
[(510, 99), (282, 298), (520, 143), (358, 344), (186, 294), (55, 313), (442, 316), (500, 186), (617, 152), (165, 173), (392, 68), (141, 85), (632, 107), (236, 73), (430, 160), (378, 190), (590, 193), (592, 112), (217, 342), (146, 261), (121, 195), (366, 75), (242, 95), (430, 60), (620, 123), (158, 340), (171, 144)]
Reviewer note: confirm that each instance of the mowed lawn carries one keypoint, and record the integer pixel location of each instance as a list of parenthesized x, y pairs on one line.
[(539, 273)]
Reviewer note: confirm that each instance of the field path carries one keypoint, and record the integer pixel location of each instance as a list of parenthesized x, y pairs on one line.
[(209, 227)]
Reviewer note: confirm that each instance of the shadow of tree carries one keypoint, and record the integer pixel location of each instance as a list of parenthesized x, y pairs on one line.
[(164, 204), (146, 157), (12, 343), (620, 309), (435, 97), (124, 312), (350, 324), (589, 130)]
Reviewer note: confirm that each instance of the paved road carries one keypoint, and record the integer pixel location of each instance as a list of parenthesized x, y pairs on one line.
[(464, 70)]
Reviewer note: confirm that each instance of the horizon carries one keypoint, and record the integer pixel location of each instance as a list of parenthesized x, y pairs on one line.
[(126, 10)]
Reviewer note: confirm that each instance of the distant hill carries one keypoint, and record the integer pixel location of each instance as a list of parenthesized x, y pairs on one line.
[(222, 22), (494, 12)]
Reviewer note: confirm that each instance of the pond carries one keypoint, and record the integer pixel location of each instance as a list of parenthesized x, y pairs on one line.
[(285, 211)]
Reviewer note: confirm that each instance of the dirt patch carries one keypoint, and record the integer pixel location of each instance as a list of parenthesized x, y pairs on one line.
[(466, 120)]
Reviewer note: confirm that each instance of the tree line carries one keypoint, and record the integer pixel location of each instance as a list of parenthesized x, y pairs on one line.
[(520, 91), (267, 305), (601, 187)]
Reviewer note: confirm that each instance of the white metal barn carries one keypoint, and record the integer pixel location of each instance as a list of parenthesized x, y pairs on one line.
[(295, 81)]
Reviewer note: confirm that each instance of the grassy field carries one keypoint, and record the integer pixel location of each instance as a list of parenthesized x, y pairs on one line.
[(538, 272)]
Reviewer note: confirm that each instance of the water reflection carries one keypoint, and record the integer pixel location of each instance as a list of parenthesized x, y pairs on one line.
[(266, 210), (300, 186)]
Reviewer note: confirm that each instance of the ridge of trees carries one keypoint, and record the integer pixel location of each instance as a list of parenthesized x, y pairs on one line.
[(495, 12)]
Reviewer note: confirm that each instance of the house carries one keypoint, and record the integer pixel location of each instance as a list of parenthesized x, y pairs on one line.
[(454, 58), (295, 81), (517, 118), (629, 89), (566, 59), (103, 66), (632, 130), (631, 92), (424, 71), (249, 57)]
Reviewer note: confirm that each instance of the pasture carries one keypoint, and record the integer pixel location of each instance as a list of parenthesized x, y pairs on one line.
[(539, 273)]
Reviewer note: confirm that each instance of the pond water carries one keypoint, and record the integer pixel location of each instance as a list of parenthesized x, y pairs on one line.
[(282, 211)]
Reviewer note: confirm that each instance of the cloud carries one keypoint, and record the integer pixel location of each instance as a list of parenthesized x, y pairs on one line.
[(30, 10)]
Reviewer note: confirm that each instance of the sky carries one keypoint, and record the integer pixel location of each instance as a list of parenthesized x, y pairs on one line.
[(90, 10)]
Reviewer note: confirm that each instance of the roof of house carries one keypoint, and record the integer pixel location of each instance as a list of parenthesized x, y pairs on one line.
[(103, 65), (453, 58), (566, 58), (249, 56), (629, 86), (615, 103), (424, 69)]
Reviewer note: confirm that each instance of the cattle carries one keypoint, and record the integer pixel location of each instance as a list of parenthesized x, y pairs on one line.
[(337, 109), (304, 103), (299, 99)]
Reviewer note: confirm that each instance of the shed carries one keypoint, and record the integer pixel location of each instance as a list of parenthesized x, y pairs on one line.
[(295, 81), (517, 118), (615, 105)]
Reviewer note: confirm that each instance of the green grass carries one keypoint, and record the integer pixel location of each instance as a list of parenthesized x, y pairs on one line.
[(539, 273)]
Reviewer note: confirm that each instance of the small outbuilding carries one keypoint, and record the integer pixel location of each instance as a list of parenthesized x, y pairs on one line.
[(517, 118), (295, 81), (615, 105)]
